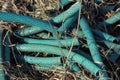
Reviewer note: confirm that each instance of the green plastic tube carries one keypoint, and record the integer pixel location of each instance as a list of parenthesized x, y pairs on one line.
[(58, 42), (11, 17), (63, 52), (67, 23), (66, 14), (40, 60), (92, 44), (2, 72)]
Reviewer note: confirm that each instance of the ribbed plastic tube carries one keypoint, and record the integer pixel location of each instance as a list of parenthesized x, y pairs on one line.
[(63, 52), (67, 23), (58, 42), (66, 14), (104, 35), (2, 72), (11, 17), (40, 60)]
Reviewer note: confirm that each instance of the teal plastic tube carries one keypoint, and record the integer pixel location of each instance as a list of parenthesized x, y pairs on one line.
[(62, 3), (7, 49), (46, 67), (72, 66), (97, 1), (63, 52), (67, 23), (40, 60), (58, 42), (113, 46), (44, 35), (45, 63), (111, 20), (114, 57), (28, 31), (2, 72), (86, 55), (90, 40), (66, 14), (107, 8), (11, 17), (50, 37), (92, 44), (104, 35)]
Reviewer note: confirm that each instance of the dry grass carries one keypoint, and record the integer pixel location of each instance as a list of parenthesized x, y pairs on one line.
[(45, 9)]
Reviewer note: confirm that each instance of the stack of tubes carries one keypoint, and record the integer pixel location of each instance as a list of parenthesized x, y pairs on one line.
[(56, 45)]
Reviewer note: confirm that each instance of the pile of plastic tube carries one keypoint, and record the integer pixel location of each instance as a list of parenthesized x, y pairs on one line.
[(58, 44)]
